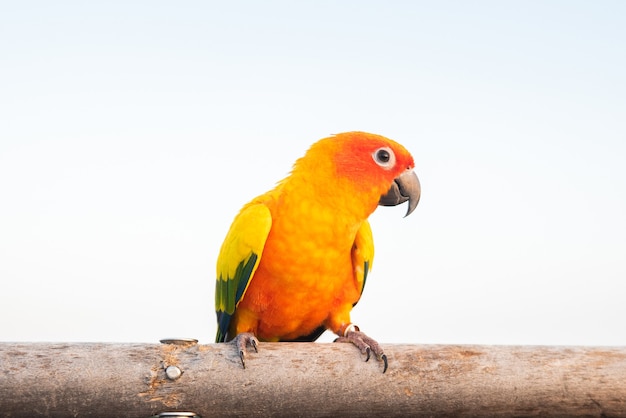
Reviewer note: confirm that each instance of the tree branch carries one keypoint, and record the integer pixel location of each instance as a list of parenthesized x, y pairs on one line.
[(310, 379)]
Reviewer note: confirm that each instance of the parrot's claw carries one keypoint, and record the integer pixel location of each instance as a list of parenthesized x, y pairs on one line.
[(366, 344), (241, 341)]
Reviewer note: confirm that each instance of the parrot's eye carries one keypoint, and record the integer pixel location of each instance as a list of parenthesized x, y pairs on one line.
[(384, 157)]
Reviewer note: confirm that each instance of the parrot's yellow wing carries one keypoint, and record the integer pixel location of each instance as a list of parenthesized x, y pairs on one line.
[(238, 259), (362, 255)]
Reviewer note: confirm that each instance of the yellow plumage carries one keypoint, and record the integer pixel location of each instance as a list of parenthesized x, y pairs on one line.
[(296, 258)]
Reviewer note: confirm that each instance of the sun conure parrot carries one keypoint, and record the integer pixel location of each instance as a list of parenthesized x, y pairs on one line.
[(295, 260)]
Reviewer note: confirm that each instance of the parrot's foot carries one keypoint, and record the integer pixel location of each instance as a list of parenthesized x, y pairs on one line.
[(366, 344), (242, 341)]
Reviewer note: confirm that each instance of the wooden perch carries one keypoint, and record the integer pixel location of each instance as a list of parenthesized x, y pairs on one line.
[(309, 379)]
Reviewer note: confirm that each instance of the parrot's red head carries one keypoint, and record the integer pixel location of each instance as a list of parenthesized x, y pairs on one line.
[(364, 169)]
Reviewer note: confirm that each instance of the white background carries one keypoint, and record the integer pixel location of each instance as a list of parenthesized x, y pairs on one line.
[(132, 132)]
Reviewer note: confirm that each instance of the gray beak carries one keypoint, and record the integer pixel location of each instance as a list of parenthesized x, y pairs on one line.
[(404, 187)]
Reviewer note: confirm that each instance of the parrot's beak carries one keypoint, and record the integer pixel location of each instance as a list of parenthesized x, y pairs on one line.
[(404, 187)]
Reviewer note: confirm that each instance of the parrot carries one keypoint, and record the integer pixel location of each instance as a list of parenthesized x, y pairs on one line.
[(296, 259)]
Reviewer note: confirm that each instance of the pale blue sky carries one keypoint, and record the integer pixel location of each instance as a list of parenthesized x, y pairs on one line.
[(132, 132)]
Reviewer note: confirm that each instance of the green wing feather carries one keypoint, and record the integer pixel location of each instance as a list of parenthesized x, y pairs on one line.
[(238, 260), (362, 255)]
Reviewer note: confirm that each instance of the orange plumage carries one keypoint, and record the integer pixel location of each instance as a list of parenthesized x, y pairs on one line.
[(307, 244)]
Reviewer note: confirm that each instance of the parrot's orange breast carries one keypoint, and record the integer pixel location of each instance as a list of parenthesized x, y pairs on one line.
[(305, 274)]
